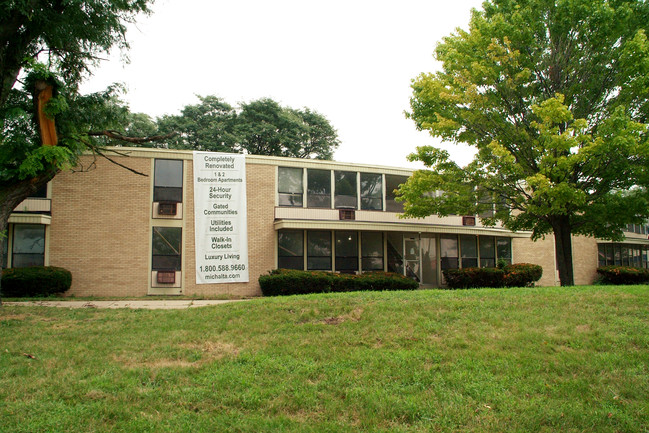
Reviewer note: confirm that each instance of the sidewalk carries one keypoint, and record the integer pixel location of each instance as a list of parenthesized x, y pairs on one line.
[(153, 304)]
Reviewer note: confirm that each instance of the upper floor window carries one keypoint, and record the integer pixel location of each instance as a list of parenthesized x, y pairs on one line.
[(318, 188), (290, 187), (168, 181), (392, 182), (345, 189), (371, 191)]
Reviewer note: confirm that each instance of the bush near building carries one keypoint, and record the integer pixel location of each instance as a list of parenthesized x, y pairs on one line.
[(295, 282), (516, 275), (623, 275), (35, 281)]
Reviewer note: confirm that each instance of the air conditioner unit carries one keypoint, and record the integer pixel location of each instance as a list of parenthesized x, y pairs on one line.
[(346, 214), (468, 220), (167, 208), (166, 277)]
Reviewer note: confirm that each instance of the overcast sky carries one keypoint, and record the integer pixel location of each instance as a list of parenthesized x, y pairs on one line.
[(351, 61)]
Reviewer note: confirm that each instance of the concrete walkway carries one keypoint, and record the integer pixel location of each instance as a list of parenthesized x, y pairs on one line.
[(153, 304)]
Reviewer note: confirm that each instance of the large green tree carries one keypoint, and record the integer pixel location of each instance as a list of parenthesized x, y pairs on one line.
[(261, 127), (54, 43), (554, 96)]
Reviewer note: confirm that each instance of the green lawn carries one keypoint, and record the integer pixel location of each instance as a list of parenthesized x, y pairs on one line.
[(509, 360)]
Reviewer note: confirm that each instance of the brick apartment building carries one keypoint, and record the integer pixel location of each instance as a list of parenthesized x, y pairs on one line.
[(121, 234)]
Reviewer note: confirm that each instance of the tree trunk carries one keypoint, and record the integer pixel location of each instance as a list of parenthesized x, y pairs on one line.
[(563, 249), (11, 196)]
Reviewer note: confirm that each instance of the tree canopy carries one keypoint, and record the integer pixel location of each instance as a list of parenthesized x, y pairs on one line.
[(554, 95), (48, 46), (261, 127)]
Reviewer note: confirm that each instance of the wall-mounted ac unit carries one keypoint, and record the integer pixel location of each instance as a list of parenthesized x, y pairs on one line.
[(166, 277), (346, 214), (167, 208), (468, 220)]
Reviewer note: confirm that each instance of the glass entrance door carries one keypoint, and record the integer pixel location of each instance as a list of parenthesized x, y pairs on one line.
[(429, 260), (412, 256)]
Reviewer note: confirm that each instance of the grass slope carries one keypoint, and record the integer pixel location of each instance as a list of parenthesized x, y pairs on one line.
[(517, 360)]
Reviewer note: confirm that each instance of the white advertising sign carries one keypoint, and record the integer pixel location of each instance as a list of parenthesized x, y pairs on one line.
[(220, 217)]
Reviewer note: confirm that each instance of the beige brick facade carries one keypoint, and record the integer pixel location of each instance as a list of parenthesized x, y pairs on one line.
[(102, 221)]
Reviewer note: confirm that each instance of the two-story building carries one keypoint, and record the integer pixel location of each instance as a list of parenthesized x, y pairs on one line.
[(121, 234)]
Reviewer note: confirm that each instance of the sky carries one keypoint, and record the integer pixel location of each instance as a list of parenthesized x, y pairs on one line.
[(352, 61)]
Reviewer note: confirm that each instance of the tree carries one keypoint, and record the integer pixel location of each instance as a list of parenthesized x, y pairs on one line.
[(208, 126), (554, 95), (260, 127), (68, 36)]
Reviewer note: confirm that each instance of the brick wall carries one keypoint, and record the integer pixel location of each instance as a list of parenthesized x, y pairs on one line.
[(100, 228), (540, 252)]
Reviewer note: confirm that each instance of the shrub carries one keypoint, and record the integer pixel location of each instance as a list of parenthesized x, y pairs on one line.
[(517, 275), (522, 274), (465, 278), (35, 281), (294, 282), (623, 275)]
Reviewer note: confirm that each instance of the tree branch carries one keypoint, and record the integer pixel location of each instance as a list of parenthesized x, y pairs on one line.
[(137, 140)]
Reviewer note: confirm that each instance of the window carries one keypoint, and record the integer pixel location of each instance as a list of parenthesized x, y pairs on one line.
[(346, 251), (448, 252), (168, 181), (487, 252), (290, 187), (4, 244), (372, 251), (290, 252), (469, 250), (41, 193), (392, 183), (395, 252), (371, 191), (504, 249), (318, 188), (166, 247), (318, 250), (28, 245), (345, 189)]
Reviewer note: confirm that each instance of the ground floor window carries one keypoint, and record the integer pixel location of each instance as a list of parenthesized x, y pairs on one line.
[(290, 252), (166, 247), (28, 245), (623, 255), (418, 256)]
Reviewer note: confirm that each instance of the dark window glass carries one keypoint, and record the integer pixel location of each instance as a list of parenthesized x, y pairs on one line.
[(166, 247), (448, 252), (625, 255), (469, 249), (601, 255), (168, 180), (395, 252), (371, 191), (504, 249), (487, 202), (392, 183), (346, 251), (319, 188), (290, 252), (318, 250), (4, 244), (372, 251), (41, 193), (28, 245), (487, 252), (645, 257), (290, 187), (345, 189)]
